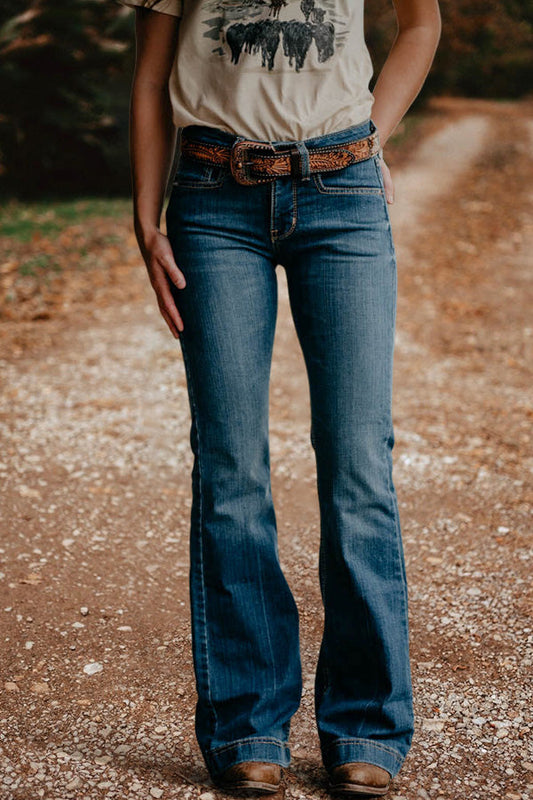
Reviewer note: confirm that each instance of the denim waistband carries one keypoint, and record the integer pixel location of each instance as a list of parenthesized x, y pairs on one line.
[(205, 133)]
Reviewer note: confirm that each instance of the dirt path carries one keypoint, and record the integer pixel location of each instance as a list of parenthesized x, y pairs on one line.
[(95, 470)]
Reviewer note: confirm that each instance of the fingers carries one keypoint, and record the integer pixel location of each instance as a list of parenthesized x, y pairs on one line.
[(163, 271), (166, 302), (174, 321), (162, 252), (388, 183)]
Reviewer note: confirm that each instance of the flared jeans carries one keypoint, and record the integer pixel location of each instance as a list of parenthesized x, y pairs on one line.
[(331, 232)]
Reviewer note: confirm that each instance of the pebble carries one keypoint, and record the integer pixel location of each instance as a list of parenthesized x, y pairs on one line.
[(155, 792), (84, 611), (93, 668), (39, 688), (433, 724)]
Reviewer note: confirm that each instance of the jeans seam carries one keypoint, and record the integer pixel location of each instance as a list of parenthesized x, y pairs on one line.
[(294, 214), (201, 542), (399, 547), (267, 629), (273, 231)]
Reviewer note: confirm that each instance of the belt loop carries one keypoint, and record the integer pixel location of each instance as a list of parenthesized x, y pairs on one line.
[(304, 161)]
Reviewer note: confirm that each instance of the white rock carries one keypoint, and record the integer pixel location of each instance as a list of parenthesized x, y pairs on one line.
[(155, 792), (84, 611), (433, 724), (93, 668)]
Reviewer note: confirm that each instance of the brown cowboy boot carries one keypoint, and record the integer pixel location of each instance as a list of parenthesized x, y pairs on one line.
[(257, 777), (359, 779)]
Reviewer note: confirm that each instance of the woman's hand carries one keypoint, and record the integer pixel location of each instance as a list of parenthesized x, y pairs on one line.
[(387, 180), (162, 270)]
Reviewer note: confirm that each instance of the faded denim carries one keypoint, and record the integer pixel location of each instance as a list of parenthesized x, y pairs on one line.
[(331, 233)]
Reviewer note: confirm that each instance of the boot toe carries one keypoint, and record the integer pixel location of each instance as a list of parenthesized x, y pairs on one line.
[(252, 776), (360, 780)]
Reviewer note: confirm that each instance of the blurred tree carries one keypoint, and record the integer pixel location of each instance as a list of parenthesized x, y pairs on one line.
[(485, 48), (64, 87)]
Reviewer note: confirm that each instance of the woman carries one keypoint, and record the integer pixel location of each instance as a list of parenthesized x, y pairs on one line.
[(280, 164)]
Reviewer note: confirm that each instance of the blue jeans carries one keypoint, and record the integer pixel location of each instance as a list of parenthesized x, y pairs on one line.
[(331, 233)]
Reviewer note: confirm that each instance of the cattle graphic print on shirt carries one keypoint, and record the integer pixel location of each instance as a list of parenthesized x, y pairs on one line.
[(274, 31)]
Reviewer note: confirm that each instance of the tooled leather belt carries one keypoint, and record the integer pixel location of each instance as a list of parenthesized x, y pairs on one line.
[(253, 162)]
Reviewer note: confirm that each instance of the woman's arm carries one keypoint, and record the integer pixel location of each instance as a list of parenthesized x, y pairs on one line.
[(406, 67), (152, 143)]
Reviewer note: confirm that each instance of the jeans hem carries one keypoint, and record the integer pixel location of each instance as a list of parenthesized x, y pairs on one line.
[(345, 751), (266, 749)]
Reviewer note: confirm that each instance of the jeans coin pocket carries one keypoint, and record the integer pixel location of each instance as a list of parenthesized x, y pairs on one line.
[(359, 178)]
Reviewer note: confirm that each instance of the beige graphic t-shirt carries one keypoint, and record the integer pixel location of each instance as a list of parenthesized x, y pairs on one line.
[(269, 69)]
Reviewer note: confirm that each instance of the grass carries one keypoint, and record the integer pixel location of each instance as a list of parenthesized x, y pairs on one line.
[(21, 220)]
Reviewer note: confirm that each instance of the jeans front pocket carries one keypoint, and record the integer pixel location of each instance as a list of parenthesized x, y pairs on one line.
[(195, 174), (358, 178)]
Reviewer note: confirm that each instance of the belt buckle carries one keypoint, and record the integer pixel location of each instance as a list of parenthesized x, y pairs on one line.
[(239, 162)]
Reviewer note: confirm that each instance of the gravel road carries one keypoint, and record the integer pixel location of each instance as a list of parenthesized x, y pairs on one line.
[(97, 682)]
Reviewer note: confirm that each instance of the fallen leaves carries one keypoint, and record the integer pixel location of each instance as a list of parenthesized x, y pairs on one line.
[(49, 270)]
